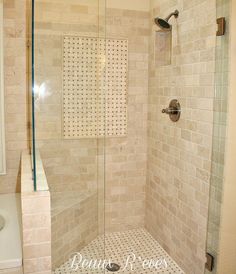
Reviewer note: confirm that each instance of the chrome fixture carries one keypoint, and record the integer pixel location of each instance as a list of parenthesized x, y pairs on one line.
[(174, 110), (163, 23)]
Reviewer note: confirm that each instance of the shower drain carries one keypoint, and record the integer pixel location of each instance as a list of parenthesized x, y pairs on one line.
[(113, 267)]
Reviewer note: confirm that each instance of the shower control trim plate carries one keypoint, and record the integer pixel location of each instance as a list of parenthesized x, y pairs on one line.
[(174, 110)]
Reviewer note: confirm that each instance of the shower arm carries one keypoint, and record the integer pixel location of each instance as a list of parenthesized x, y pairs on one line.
[(175, 14)]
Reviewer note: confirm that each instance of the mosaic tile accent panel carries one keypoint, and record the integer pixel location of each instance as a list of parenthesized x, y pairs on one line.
[(119, 246), (86, 105)]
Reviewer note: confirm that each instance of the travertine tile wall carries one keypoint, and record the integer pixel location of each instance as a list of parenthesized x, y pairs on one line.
[(179, 155), (125, 164), (12, 271), (69, 164), (15, 91), (36, 222), (74, 225), (73, 164)]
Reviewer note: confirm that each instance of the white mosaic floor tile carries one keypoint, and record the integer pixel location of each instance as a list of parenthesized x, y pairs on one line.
[(118, 247)]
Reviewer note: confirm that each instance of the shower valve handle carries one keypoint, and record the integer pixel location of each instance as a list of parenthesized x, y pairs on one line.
[(174, 110), (170, 110)]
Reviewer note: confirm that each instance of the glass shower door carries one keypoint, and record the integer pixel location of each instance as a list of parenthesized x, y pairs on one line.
[(219, 135)]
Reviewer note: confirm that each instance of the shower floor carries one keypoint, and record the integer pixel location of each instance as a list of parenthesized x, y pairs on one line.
[(121, 245)]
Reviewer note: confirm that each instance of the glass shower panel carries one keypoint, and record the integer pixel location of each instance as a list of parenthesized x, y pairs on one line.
[(30, 75), (219, 132), (68, 111)]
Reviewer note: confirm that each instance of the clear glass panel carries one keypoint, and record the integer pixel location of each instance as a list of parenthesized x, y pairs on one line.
[(219, 132), (31, 60), (68, 84)]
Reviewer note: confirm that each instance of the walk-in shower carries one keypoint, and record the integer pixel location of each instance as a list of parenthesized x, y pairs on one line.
[(126, 181)]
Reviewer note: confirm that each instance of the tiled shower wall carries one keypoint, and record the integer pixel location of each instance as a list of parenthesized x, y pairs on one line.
[(74, 164), (179, 154), (15, 87), (125, 168), (69, 164)]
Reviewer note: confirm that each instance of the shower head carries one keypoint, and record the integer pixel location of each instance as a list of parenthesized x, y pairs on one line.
[(164, 23)]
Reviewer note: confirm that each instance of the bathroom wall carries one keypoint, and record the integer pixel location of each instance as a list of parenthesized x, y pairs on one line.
[(69, 164), (125, 168), (179, 154), (135, 5), (15, 91), (73, 164), (36, 221)]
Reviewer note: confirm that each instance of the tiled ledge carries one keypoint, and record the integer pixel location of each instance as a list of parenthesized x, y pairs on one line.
[(36, 221), (42, 184), (27, 175), (27, 185)]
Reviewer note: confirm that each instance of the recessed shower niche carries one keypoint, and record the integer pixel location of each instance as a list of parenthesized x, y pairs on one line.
[(163, 39), (163, 48)]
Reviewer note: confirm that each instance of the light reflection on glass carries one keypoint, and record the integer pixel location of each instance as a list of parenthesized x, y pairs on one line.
[(41, 92)]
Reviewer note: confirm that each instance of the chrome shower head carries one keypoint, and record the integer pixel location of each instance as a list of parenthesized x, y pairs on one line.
[(164, 23)]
